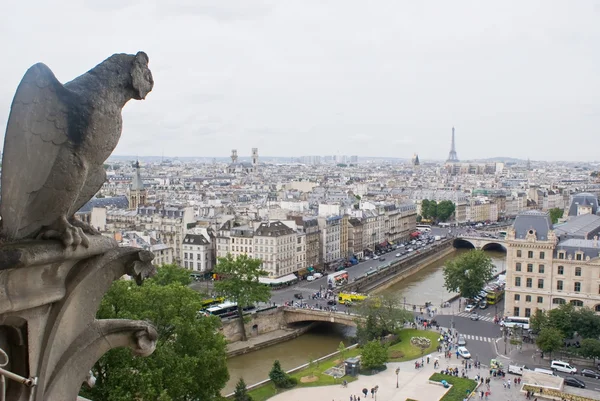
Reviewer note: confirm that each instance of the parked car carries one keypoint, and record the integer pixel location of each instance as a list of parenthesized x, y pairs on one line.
[(464, 352), (397, 255), (469, 308), (298, 296), (310, 278), (516, 369), (317, 275), (590, 373), (462, 341), (382, 259), (331, 302), (474, 316), (574, 382), (563, 367), (376, 257)]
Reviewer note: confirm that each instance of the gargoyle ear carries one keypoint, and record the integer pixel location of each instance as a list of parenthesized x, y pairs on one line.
[(141, 58)]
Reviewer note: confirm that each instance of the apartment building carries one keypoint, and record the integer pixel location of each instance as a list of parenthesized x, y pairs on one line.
[(241, 241), (197, 253), (548, 265), (344, 236), (330, 238), (355, 237), (275, 244)]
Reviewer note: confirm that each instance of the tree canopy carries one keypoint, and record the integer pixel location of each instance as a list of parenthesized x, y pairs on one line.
[(239, 283), (373, 355), (189, 361), (549, 340), (432, 210), (468, 273), (555, 214)]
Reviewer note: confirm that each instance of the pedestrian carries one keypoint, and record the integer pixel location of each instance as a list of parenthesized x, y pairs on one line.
[(372, 392), (519, 381), (365, 391)]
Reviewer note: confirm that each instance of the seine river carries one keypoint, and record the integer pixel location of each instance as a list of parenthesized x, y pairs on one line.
[(424, 286)]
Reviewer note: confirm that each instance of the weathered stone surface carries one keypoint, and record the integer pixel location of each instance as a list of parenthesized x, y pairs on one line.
[(57, 139), (56, 142)]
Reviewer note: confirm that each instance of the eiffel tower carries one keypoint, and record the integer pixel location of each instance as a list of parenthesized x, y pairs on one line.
[(452, 158)]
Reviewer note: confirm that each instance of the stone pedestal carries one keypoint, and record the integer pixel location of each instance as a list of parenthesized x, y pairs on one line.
[(49, 297)]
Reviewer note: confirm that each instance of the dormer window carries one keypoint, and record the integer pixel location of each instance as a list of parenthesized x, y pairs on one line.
[(561, 255), (578, 256)]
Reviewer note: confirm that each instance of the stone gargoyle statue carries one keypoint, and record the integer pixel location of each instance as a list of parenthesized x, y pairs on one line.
[(57, 140), (54, 269)]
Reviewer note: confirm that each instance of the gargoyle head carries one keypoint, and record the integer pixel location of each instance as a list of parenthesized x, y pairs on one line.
[(141, 76), (142, 268), (146, 341)]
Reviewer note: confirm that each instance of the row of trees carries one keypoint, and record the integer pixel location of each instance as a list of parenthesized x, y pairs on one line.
[(564, 323), (189, 360), (432, 210)]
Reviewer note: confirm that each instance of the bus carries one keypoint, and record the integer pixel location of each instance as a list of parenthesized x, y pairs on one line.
[(495, 296), (226, 309), (424, 227), (212, 301), (515, 322), (352, 297)]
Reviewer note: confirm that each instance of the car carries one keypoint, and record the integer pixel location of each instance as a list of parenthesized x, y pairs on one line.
[(382, 259), (469, 308), (462, 341), (397, 255), (464, 352), (298, 296), (483, 305), (376, 257), (310, 278), (317, 275), (331, 302), (574, 382), (563, 367), (590, 373), (474, 316)]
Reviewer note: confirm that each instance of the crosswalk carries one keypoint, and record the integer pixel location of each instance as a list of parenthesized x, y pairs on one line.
[(472, 337), (482, 318)]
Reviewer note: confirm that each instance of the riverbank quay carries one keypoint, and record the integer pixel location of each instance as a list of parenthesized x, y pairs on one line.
[(265, 340), (398, 270)]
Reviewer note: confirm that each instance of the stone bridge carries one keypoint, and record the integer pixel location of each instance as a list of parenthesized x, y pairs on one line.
[(484, 243), (296, 315)]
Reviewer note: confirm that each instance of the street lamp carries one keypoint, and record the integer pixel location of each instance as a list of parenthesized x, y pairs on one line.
[(397, 372)]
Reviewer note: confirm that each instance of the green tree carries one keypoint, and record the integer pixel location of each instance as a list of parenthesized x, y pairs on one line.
[(241, 392), (590, 348), (189, 360), (373, 355), (538, 321), (549, 340), (368, 329), (586, 323), (342, 350), (167, 274), (445, 209), (239, 283), (387, 311), (555, 214), (279, 378), (419, 218), (561, 319), (468, 273)]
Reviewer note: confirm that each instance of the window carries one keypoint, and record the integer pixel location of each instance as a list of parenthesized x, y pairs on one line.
[(529, 267), (541, 269), (578, 271), (540, 283), (561, 255), (518, 253), (529, 282), (527, 312), (540, 300), (558, 301), (577, 286), (517, 281), (576, 302), (597, 308), (516, 311), (518, 266), (527, 298), (517, 297), (542, 255), (530, 254), (559, 285), (185, 255), (578, 256), (561, 270)]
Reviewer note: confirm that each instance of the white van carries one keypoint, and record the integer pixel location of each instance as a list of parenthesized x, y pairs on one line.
[(544, 371), (516, 369), (563, 367)]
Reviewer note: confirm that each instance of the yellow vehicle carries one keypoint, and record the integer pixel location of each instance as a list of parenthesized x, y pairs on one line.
[(353, 297), (212, 301)]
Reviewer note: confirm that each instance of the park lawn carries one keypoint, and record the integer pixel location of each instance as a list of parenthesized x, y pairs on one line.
[(267, 391), (409, 351), (459, 388)]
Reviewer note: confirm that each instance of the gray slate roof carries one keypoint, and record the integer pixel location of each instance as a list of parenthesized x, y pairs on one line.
[(193, 239), (273, 229), (117, 202), (583, 198), (585, 226), (588, 247), (532, 220)]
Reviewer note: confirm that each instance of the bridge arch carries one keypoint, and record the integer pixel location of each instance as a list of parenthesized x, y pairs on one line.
[(493, 246), (460, 243), (297, 315)]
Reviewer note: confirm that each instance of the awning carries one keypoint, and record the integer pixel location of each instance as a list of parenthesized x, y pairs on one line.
[(311, 269), (278, 280)]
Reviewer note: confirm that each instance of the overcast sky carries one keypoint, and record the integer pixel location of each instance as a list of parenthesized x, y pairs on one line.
[(302, 77)]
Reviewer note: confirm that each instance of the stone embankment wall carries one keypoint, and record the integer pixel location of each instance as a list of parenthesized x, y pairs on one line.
[(258, 323)]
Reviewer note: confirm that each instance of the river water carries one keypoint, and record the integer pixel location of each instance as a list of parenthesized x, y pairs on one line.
[(424, 286)]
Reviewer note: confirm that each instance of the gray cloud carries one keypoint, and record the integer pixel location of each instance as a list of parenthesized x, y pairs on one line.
[(321, 77)]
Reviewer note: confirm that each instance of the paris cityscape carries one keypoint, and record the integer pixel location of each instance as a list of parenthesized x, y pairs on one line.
[(256, 201)]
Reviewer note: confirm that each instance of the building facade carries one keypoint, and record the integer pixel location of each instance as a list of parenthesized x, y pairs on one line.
[(275, 244), (197, 253)]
